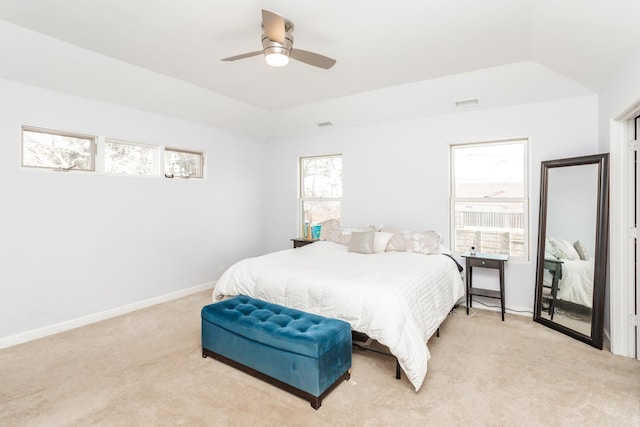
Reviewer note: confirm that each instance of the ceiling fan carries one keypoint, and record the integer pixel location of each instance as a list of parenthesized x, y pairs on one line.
[(277, 45)]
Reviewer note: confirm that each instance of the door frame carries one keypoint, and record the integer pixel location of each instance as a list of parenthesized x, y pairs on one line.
[(622, 334)]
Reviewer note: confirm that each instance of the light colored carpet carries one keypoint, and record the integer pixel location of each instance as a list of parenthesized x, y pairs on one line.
[(146, 369)]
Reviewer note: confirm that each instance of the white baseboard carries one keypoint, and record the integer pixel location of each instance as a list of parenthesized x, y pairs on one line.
[(97, 317)]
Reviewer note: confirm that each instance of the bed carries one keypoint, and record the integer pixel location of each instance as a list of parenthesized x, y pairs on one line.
[(575, 281), (396, 298)]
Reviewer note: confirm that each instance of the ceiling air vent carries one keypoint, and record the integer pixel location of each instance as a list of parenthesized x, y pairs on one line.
[(467, 102), (324, 124)]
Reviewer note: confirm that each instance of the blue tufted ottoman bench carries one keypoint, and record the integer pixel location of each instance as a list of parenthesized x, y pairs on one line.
[(302, 353)]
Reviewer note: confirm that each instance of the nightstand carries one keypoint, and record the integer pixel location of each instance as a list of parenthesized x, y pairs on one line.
[(301, 241), (485, 261), (555, 268)]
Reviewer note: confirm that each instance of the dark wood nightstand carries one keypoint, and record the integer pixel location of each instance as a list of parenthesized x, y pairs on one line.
[(301, 241), (485, 261), (555, 268)]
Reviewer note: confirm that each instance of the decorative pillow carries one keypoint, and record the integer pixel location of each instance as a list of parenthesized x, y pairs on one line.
[(380, 241), (329, 228), (396, 242), (564, 249), (423, 242), (582, 250), (362, 242), (342, 235)]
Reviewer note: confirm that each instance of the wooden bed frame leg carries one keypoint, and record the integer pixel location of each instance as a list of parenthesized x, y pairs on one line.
[(438, 332), (398, 371)]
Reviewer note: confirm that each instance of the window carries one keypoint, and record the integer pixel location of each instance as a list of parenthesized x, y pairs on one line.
[(183, 164), (66, 151), (57, 150), (320, 188), (490, 198), (121, 157)]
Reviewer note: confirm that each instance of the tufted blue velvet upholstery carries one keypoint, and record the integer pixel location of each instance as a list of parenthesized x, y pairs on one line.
[(304, 350)]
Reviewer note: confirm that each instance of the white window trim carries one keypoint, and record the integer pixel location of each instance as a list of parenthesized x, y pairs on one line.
[(526, 199)]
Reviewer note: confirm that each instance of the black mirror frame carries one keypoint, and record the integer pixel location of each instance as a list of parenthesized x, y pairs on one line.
[(601, 250)]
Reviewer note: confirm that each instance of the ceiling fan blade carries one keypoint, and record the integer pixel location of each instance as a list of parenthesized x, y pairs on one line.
[(244, 55), (311, 58), (273, 25)]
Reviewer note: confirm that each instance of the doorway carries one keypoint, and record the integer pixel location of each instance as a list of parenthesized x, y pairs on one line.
[(624, 278), (636, 205)]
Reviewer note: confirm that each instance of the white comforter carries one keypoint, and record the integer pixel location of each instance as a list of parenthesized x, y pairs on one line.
[(576, 285), (396, 298)]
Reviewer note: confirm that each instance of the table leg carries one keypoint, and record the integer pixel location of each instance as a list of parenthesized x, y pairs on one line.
[(502, 289)]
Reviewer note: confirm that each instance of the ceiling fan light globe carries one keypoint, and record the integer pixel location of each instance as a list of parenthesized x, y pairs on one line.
[(276, 59)]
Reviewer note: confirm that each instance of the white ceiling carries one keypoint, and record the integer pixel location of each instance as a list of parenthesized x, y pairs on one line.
[(575, 44)]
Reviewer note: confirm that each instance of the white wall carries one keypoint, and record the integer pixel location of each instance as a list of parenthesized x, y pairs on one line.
[(572, 204), (75, 244), (397, 173)]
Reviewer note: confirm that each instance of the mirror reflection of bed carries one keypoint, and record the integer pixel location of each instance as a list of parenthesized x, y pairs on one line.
[(567, 294)]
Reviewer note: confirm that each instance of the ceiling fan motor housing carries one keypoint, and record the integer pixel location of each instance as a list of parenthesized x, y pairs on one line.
[(271, 47)]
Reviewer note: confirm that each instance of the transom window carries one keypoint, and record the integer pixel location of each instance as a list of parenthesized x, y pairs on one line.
[(490, 197), (320, 188), (183, 164), (122, 157), (69, 151), (58, 150)]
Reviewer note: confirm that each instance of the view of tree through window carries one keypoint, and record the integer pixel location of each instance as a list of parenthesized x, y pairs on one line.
[(489, 200), (183, 164), (321, 188), (48, 149), (128, 158)]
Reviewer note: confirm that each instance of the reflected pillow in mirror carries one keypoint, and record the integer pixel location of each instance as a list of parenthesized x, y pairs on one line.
[(582, 250), (564, 249)]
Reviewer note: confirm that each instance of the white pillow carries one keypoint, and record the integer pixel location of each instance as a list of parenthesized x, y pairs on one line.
[(396, 242), (362, 242), (328, 228), (342, 235), (582, 250), (380, 241), (564, 249)]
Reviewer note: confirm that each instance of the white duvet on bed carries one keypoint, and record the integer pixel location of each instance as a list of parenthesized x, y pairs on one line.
[(396, 298), (576, 285)]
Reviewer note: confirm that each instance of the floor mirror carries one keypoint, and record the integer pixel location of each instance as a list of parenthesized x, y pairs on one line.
[(572, 246)]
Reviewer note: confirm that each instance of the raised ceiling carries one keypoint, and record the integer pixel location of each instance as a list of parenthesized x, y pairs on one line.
[(378, 46)]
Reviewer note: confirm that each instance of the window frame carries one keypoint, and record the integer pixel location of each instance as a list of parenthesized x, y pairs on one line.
[(93, 152), (302, 199), (525, 199)]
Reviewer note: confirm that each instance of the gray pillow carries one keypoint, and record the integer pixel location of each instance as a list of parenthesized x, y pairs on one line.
[(582, 250), (362, 242)]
